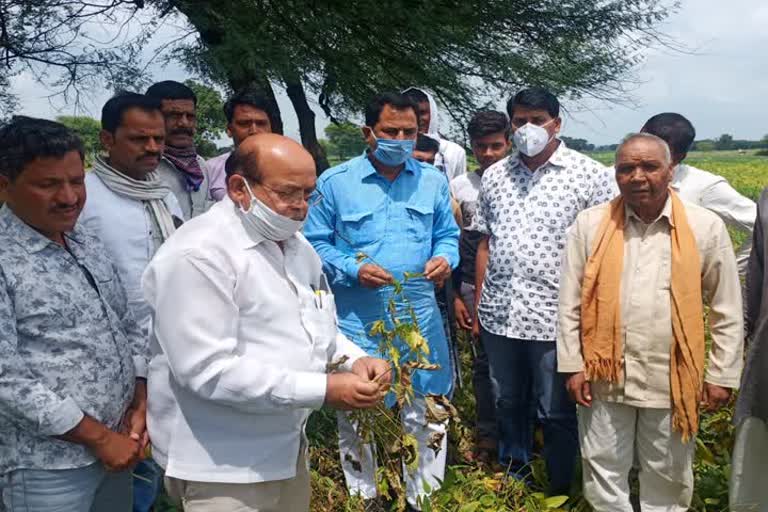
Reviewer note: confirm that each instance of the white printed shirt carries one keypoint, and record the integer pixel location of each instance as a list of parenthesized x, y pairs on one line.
[(526, 214)]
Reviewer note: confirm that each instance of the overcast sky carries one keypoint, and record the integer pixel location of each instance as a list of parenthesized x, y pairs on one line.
[(721, 85)]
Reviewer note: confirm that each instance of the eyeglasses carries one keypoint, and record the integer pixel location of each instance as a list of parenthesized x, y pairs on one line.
[(294, 197)]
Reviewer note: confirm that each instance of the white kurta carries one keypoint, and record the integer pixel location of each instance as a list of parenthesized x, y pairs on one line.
[(239, 350)]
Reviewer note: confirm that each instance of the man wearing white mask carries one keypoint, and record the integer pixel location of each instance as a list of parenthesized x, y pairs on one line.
[(451, 158), (527, 202), (244, 326)]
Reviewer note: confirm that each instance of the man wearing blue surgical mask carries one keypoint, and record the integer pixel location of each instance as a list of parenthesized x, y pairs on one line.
[(396, 211)]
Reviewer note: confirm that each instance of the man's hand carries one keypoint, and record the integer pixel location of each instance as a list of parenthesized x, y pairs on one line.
[(375, 370), (579, 388), (349, 391), (714, 397), (475, 326), (135, 419), (437, 270), (117, 452), (463, 316), (373, 276)]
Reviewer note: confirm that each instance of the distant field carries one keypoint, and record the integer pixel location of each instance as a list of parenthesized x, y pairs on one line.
[(746, 172)]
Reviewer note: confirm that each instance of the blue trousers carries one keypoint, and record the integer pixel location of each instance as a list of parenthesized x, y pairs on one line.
[(529, 390), (87, 489)]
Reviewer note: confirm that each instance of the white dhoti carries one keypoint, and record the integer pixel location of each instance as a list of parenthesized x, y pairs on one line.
[(431, 468), (612, 435), (749, 469)]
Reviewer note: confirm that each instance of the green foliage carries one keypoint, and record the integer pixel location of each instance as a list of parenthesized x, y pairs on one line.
[(211, 121), (577, 144), (345, 140), (87, 129), (466, 52)]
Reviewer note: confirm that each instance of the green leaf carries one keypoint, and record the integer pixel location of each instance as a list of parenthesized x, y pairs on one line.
[(472, 506), (554, 501)]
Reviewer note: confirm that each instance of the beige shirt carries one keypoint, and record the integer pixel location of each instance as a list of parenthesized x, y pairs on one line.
[(645, 303)]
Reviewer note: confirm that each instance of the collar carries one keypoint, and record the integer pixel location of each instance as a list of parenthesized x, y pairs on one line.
[(28, 237), (412, 166), (666, 212), (558, 158)]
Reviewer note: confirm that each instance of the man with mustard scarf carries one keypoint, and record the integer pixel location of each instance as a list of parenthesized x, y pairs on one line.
[(636, 274)]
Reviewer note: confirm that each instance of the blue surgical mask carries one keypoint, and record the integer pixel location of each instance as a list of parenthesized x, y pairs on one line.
[(391, 152)]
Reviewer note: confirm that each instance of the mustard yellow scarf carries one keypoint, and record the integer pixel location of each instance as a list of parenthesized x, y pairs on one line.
[(601, 333)]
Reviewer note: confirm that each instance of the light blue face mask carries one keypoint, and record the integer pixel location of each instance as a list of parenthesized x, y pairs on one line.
[(391, 152)]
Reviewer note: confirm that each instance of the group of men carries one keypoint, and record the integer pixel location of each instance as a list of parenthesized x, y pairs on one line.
[(204, 309)]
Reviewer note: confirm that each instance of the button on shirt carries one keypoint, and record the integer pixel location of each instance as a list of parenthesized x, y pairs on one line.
[(240, 344), (68, 345), (646, 313), (401, 225), (526, 214), (126, 228)]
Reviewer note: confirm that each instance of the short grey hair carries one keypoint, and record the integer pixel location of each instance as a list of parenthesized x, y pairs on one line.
[(649, 137)]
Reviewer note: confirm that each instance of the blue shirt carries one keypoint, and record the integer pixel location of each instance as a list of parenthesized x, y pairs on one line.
[(401, 225), (68, 345)]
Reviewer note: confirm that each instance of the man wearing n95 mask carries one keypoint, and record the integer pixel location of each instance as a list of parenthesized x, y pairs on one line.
[(526, 203), (244, 326)]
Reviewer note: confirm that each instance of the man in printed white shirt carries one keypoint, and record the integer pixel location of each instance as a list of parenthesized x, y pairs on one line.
[(527, 201), (244, 326), (703, 188)]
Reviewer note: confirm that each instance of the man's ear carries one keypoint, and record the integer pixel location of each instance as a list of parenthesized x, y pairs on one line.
[(107, 140), (237, 191), (369, 136)]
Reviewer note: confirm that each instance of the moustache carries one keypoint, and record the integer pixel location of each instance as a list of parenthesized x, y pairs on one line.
[(64, 208), (183, 131)]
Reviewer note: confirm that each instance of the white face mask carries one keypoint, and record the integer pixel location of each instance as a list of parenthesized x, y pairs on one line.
[(531, 139), (266, 222)]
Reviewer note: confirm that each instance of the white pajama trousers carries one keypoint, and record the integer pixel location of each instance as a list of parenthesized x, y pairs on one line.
[(612, 436), (431, 466)]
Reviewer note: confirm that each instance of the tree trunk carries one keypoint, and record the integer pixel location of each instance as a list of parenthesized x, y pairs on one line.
[(295, 90), (212, 34)]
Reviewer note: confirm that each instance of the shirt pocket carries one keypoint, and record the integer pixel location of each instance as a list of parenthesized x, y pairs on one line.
[(357, 228), (419, 221)]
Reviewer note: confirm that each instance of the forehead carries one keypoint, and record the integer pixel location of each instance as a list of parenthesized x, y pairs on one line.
[(68, 166), (249, 111), (397, 117), (522, 111), (140, 119), (491, 138), (641, 150), (183, 106)]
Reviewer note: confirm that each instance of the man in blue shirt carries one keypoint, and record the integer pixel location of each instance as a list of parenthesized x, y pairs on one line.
[(396, 211)]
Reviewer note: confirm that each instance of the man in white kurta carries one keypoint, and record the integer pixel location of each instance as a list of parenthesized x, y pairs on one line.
[(632, 417), (244, 326)]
